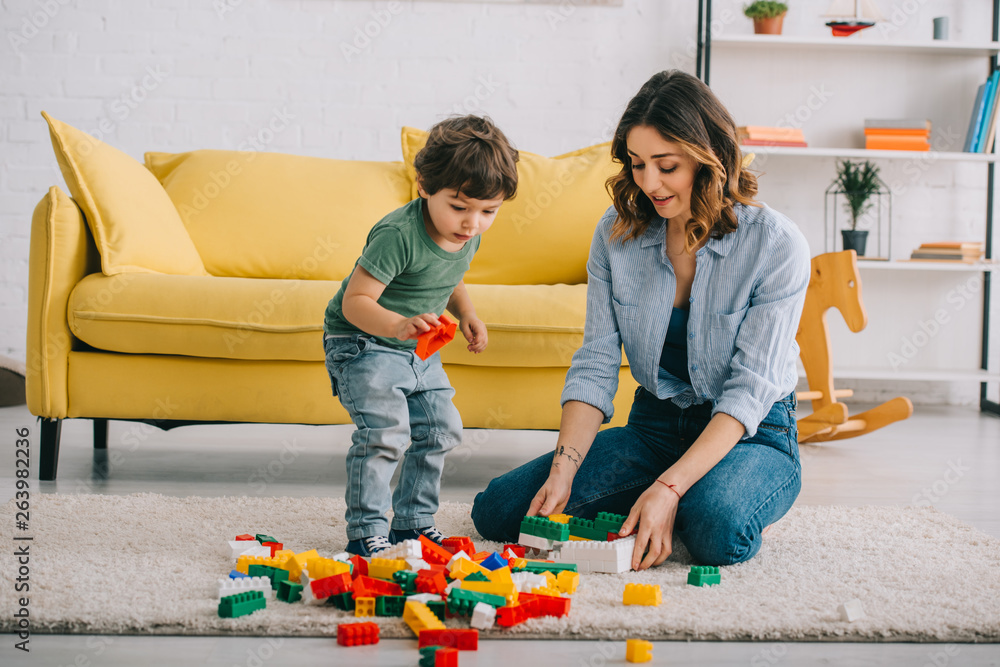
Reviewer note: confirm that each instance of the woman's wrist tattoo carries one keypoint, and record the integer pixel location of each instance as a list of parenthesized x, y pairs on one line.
[(575, 456)]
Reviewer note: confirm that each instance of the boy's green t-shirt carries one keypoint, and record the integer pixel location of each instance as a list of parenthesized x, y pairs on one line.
[(419, 275)]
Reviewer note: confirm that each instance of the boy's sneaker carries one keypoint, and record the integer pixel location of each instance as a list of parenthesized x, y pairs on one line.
[(368, 546), (431, 533)]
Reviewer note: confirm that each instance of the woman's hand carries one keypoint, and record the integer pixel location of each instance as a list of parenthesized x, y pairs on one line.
[(654, 511), (474, 330), (554, 494)]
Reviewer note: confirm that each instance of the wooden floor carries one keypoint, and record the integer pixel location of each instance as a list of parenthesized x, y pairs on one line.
[(944, 456)]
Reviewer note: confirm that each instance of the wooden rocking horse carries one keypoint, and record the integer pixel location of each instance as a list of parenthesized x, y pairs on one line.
[(835, 283)]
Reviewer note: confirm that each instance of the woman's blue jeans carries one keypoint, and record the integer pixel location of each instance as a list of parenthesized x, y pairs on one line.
[(719, 519)]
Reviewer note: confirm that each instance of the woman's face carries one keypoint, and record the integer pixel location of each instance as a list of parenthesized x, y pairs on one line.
[(662, 171)]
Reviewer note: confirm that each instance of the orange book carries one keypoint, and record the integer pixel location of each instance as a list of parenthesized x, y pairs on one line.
[(770, 133), (771, 142), (897, 143), (896, 132), (954, 245)]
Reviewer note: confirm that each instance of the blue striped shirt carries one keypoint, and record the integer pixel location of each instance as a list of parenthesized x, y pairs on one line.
[(746, 300)]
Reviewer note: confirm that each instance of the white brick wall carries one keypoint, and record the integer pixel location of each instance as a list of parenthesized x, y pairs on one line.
[(554, 76)]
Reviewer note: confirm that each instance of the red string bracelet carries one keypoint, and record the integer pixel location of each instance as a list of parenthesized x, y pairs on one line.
[(669, 486)]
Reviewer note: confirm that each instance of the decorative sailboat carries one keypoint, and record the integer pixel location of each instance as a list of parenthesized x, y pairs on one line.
[(850, 16)]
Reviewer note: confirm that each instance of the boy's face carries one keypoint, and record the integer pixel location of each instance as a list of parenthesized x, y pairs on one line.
[(452, 219)]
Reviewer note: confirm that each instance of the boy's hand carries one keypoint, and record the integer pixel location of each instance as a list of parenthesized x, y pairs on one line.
[(474, 330), (413, 327)]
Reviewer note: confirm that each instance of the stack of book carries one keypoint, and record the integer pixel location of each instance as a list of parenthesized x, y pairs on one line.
[(891, 134), (955, 251), (758, 135), (983, 123)]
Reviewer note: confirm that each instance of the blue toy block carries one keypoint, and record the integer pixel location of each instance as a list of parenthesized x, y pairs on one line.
[(494, 561), (236, 574)]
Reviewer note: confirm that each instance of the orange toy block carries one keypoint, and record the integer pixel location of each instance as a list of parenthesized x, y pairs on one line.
[(433, 553), (432, 341), (456, 544)]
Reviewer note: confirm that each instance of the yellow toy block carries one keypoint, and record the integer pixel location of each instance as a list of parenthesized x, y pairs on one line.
[(419, 617), (297, 563), (463, 567), (283, 554), (576, 538), (321, 568), (364, 607), (644, 594), (500, 576), (243, 563), (568, 581), (382, 568), (638, 650), (551, 592), (507, 590), (550, 580), (560, 518), (517, 563)]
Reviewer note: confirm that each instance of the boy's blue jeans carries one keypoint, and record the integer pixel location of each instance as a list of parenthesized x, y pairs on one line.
[(402, 408), (719, 519)]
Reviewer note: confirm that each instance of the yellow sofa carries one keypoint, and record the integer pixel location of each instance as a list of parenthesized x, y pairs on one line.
[(192, 289)]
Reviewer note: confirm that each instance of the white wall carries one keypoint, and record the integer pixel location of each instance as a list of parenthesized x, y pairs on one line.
[(555, 76)]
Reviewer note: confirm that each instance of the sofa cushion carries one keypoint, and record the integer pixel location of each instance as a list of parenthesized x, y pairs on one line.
[(266, 319), (132, 220), (543, 235), (270, 215)]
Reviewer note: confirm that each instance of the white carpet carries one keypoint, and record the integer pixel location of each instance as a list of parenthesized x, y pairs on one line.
[(148, 564)]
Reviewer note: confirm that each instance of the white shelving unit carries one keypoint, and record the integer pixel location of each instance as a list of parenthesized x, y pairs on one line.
[(746, 46)]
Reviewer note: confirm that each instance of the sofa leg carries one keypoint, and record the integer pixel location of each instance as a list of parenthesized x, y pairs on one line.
[(49, 462), (100, 434)]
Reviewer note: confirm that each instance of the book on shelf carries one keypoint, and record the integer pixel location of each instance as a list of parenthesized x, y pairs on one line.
[(898, 124), (953, 245), (897, 143), (975, 119), (983, 120), (769, 142), (956, 251), (901, 134), (759, 135)]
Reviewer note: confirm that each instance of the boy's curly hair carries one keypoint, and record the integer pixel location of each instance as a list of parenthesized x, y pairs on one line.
[(471, 155)]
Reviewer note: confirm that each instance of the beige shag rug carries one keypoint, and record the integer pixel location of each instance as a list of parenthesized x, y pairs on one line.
[(148, 564)]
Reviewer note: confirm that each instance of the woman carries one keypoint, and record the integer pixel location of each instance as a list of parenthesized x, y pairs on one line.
[(703, 287)]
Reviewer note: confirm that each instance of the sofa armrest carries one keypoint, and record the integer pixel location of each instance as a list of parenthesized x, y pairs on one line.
[(62, 253)]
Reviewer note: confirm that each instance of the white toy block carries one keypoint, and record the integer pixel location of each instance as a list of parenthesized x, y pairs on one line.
[(851, 611), (425, 597), (237, 548), (457, 583), (483, 616), (404, 550), (457, 557), (417, 564), (536, 542), (528, 581), (343, 557), (593, 556), (244, 584)]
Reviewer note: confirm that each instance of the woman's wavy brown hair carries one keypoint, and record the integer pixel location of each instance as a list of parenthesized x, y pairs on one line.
[(686, 112)]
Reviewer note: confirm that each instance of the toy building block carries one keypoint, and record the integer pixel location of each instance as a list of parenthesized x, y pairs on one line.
[(229, 587), (456, 544), (321, 568), (406, 579), (289, 591), (429, 581), (507, 591), (527, 581), (261, 537), (568, 581), (343, 601), (513, 551), (704, 575), (457, 556), (516, 614), (236, 574), (364, 606), (476, 576), (275, 547), (430, 342), (642, 594), (585, 528), (609, 522), (335, 585), (462, 602), (434, 553), (241, 604), (463, 640), (237, 548), (483, 616), (560, 518), (438, 656), (547, 591), (390, 605), (424, 597), (540, 566), (417, 564), (494, 561), (357, 634), (359, 567), (547, 605), (245, 537), (439, 608), (851, 610), (463, 567), (543, 527), (368, 587), (419, 617), (276, 575), (638, 650), (592, 556), (404, 550), (383, 568), (298, 562), (243, 563)]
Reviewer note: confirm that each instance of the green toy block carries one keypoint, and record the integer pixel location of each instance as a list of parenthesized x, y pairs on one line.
[(585, 528), (541, 526), (241, 604), (343, 601), (289, 592), (275, 574), (537, 567), (427, 658), (607, 522), (704, 575), (477, 576), (462, 602), (438, 608), (406, 579), (390, 605), (261, 537)]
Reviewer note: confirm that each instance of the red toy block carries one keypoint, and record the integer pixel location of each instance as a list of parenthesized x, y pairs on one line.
[(446, 657), (360, 568), (456, 544), (431, 581), (519, 613), (275, 546), (357, 634), (516, 548), (244, 538), (433, 553), (548, 605), (366, 587), (335, 585), (464, 640), (432, 341)]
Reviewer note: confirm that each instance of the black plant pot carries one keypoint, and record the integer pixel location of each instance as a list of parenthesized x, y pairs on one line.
[(855, 239)]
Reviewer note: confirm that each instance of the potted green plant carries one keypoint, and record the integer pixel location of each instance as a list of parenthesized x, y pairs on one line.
[(767, 16), (859, 182)]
